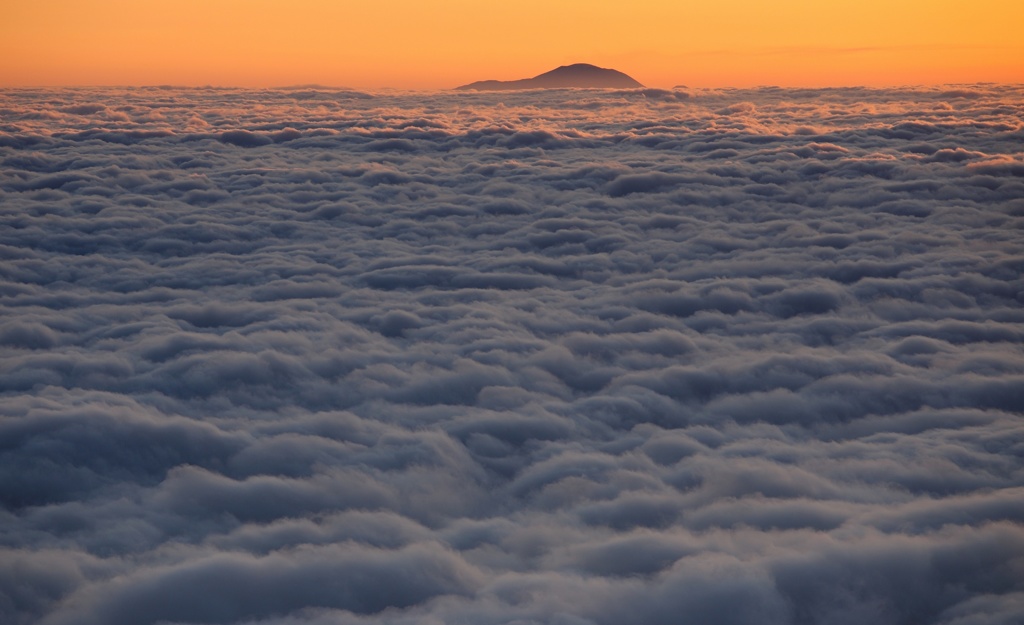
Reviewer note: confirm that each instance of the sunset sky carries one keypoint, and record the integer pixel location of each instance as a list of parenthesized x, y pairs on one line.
[(419, 44)]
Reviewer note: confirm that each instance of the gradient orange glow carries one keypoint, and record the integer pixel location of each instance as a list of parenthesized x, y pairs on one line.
[(422, 44)]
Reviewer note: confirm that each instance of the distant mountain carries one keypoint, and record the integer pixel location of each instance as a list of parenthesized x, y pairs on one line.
[(580, 76)]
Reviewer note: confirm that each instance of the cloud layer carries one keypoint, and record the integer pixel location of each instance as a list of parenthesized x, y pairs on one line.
[(574, 357)]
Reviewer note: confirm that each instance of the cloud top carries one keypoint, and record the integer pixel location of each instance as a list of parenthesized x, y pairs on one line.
[(316, 356)]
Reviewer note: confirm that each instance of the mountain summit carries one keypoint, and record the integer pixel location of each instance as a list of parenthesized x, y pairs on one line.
[(579, 75)]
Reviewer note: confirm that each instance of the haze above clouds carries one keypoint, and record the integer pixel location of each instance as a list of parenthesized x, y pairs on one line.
[(316, 356), (438, 44)]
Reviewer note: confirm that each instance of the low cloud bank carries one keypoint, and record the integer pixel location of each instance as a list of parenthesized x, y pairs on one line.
[(578, 357)]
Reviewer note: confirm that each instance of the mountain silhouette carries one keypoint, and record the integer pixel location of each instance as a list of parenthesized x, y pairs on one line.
[(579, 76)]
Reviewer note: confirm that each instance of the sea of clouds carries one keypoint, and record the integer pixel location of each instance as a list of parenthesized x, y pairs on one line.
[(312, 356)]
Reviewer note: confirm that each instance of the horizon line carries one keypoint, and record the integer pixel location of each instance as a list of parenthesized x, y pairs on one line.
[(324, 87)]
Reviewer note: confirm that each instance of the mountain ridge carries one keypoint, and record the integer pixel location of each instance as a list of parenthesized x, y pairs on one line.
[(575, 76)]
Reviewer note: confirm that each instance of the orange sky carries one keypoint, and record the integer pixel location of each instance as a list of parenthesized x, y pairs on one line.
[(422, 44)]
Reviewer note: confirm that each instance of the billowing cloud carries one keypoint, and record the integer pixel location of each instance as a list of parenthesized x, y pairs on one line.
[(568, 357)]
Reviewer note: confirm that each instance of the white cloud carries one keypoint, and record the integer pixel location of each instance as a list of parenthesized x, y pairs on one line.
[(561, 357)]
